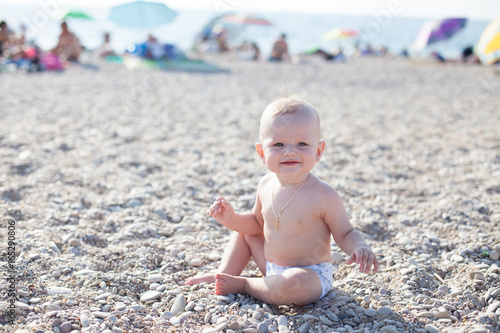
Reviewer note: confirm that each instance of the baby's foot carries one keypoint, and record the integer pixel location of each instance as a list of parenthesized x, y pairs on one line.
[(228, 284), (205, 277)]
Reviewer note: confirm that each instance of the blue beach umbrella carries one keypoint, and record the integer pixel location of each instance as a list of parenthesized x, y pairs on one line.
[(141, 14)]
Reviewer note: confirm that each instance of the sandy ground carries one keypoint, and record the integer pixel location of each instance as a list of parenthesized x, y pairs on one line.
[(105, 174)]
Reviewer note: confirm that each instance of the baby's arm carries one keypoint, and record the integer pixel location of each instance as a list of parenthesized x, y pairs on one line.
[(245, 223), (348, 238)]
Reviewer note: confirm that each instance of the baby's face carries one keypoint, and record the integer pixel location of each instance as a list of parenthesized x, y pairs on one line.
[(291, 143)]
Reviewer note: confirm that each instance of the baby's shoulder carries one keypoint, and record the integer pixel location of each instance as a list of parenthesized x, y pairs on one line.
[(266, 180), (324, 190)]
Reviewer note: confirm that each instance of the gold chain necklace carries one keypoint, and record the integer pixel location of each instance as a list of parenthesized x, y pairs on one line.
[(277, 221)]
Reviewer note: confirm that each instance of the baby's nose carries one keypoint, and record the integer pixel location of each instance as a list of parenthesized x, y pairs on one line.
[(290, 150)]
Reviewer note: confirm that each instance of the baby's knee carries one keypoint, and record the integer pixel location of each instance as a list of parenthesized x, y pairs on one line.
[(302, 282)]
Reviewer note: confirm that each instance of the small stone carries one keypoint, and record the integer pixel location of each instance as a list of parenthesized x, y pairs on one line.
[(427, 314), (222, 298), (444, 288), (150, 295), (337, 258), (54, 290), (389, 329), (262, 327), (234, 325), (100, 314), (74, 242), (443, 315), (282, 321), (55, 322), (457, 258), (196, 262), (179, 304), (21, 305), (325, 320), (220, 327), (65, 327), (23, 293), (384, 310), (85, 320), (304, 328), (85, 271), (432, 328), (493, 307), (370, 312), (494, 255), (413, 262), (155, 278), (473, 274), (54, 247), (175, 321)]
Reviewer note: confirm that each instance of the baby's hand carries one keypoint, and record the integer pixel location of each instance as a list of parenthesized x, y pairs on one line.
[(365, 257), (221, 209)]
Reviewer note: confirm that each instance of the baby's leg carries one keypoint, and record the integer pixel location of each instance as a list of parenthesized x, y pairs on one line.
[(295, 286), (236, 257)]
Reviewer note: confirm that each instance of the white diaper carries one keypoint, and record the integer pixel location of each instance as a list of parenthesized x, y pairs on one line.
[(323, 269)]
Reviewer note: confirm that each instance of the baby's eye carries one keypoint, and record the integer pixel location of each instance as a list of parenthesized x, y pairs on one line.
[(302, 144), (278, 144)]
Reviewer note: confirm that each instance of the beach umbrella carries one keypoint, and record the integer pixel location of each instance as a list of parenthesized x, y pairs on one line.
[(76, 14), (437, 30), (243, 19), (488, 47), (141, 14), (338, 33)]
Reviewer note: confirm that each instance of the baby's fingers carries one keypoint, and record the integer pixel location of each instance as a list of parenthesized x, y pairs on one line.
[(214, 210), (351, 259)]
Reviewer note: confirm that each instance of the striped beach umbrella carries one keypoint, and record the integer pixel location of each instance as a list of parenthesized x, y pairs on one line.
[(436, 31), (337, 33), (488, 47), (243, 19)]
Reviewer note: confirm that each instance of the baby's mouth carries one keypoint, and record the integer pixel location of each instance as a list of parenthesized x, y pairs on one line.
[(290, 162)]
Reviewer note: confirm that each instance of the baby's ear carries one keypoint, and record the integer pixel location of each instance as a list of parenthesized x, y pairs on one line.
[(321, 149), (260, 151)]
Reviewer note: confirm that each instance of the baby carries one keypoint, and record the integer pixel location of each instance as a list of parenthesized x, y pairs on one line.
[(288, 231)]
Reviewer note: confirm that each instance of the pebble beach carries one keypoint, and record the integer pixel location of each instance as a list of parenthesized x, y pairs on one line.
[(106, 174)]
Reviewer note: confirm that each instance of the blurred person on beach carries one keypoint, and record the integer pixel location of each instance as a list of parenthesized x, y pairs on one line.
[(68, 46), (248, 51), (105, 49), (256, 51), (280, 49), (288, 232), (11, 44), (154, 50), (5, 37), (221, 38)]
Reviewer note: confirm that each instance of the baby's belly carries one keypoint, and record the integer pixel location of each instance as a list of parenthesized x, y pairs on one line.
[(286, 253)]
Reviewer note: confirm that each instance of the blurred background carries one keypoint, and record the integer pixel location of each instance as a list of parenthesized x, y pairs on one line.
[(391, 24)]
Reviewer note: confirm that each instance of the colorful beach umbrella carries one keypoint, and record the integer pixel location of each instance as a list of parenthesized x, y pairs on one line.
[(141, 14), (76, 14), (337, 33), (436, 31), (243, 19), (488, 47)]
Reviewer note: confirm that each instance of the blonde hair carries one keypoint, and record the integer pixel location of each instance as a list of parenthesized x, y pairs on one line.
[(289, 105)]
